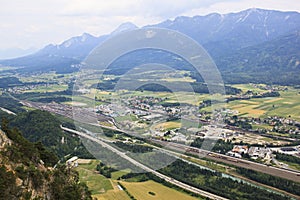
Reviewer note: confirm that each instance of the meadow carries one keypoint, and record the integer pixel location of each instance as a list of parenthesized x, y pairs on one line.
[(97, 183), (107, 189), (49, 88)]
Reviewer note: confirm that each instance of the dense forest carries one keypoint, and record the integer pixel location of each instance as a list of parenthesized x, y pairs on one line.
[(207, 180), (213, 182), (277, 182), (42, 126), (219, 146), (9, 82), (105, 170), (288, 158), (10, 103)]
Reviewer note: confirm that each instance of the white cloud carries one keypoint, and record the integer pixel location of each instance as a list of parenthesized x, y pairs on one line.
[(37, 23), (238, 5), (148, 8)]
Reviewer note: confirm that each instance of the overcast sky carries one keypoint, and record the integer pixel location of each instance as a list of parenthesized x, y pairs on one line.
[(36, 23)]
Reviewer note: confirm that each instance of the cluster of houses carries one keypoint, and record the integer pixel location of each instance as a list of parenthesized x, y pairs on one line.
[(254, 152), (261, 152), (269, 87), (23, 88)]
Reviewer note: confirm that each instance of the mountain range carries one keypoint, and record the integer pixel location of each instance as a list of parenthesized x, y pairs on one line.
[(248, 46)]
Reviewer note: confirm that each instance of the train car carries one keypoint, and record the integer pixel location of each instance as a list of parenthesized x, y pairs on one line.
[(194, 150)]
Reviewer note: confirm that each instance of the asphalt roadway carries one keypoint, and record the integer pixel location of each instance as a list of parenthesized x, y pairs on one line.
[(274, 171), (147, 169)]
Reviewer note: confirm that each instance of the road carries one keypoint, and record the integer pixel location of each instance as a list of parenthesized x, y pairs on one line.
[(274, 171), (147, 169), (7, 111)]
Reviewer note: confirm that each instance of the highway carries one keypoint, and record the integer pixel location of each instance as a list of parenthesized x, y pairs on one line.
[(274, 171), (147, 169)]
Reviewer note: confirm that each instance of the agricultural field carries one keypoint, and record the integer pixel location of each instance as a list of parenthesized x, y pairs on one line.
[(90, 82), (247, 108), (180, 97), (107, 189), (82, 100), (179, 79), (287, 105), (165, 126), (130, 117), (149, 190), (38, 78), (246, 87), (187, 97), (115, 194), (261, 126), (49, 88)]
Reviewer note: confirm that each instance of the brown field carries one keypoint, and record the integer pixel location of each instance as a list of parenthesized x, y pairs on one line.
[(273, 100), (84, 161), (167, 126), (112, 195), (141, 191), (287, 105), (115, 194)]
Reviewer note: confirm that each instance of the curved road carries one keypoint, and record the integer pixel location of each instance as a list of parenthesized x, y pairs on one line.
[(274, 171)]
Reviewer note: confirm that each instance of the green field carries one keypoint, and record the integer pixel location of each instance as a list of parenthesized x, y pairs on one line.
[(261, 126), (97, 183), (180, 97), (142, 191), (107, 189), (294, 166), (50, 88), (165, 126), (101, 187), (83, 100), (130, 117), (112, 195), (246, 87), (117, 174), (48, 77), (287, 105), (180, 79)]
